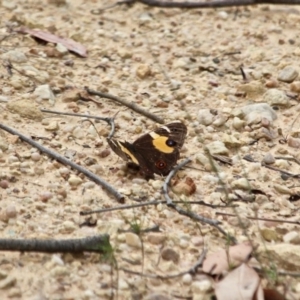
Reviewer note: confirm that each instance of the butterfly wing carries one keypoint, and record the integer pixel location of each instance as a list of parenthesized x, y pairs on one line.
[(158, 151)]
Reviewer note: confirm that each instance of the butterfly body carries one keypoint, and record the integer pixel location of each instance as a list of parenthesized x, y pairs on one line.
[(155, 152)]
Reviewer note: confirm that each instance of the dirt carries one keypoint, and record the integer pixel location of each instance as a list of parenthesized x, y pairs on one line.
[(178, 64)]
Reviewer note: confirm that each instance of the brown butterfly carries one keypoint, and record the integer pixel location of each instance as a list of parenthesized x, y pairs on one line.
[(154, 152)]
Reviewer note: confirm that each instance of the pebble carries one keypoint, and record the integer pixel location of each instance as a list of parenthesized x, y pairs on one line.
[(170, 254), (231, 141), (205, 117), (268, 159), (197, 240), (187, 279), (53, 126), (276, 97), (74, 180), (26, 109), (183, 243), (201, 287), (288, 74), (11, 211), (253, 89), (8, 282), (36, 156), (61, 48), (59, 271), (254, 113), (45, 196), (156, 296), (241, 183), (295, 87), (44, 92), (157, 184), (4, 184), (156, 238), (293, 142), (57, 260), (133, 240), (217, 147), (15, 56), (269, 234), (69, 226), (292, 237), (143, 71), (237, 123), (282, 189)]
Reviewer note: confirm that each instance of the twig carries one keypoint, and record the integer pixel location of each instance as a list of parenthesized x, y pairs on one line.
[(216, 3), (98, 243), (131, 105), (66, 161), (130, 206), (212, 4), (260, 219), (109, 121), (281, 273), (155, 228), (170, 203), (191, 271)]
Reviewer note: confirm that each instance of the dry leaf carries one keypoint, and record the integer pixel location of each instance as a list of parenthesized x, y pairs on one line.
[(243, 283), (218, 262), (51, 38)]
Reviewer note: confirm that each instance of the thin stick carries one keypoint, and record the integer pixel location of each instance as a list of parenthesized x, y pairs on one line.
[(131, 105), (130, 206), (260, 219), (216, 3), (170, 203), (191, 271), (66, 161), (98, 243)]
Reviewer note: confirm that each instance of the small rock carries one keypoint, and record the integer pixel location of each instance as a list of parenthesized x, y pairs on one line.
[(293, 142), (181, 63), (25, 109), (288, 74), (15, 56), (143, 71), (53, 126), (45, 196), (268, 159), (186, 187), (57, 2), (8, 282), (230, 141), (282, 189), (61, 48), (156, 238), (197, 241), (201, 287), (241, 183), (133, 240), (217, 147), (187, 279), (292, 237), (276, 97), (74, 180), (271, 83), (269, 234), (69, 226), (252, 89), (59, 271), (295, 87), (254, 113), (124, 53), (11, 211), (44, 92), (170, 254), (4, 184), (205, 117), (71, 95)]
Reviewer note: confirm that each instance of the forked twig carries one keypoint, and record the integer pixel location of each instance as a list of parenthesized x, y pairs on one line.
[(66, 161), (98, 243), (109, 121), (130, 105), (190, 214)]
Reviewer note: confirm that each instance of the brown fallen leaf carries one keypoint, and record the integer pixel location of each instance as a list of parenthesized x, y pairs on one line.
[(218, 263), (243, 283), (51, 38)]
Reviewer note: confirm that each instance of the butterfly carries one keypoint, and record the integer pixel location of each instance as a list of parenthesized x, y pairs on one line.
[(155, 152)]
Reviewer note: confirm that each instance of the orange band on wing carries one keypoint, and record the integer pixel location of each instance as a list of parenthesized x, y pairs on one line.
[(132, 157), (160, 143)]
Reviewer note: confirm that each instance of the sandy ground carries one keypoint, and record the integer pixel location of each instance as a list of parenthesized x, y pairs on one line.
[(180, 65)]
